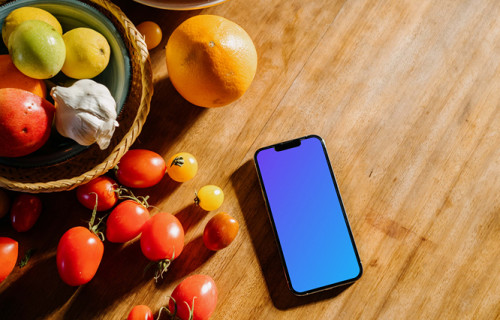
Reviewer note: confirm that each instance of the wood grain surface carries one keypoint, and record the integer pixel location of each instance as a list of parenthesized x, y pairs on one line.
[(406, 95)]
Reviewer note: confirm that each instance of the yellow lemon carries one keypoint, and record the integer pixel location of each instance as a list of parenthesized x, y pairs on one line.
[(87, 53), (16, 17)]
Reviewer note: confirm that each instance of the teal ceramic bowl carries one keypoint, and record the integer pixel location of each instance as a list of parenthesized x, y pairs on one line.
[(117, 75)]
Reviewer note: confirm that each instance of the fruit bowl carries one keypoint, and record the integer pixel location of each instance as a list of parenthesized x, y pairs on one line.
[(62, 164)]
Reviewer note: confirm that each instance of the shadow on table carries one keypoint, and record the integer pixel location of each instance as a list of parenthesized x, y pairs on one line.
[(190, 216), (169, 119), (121, 270), (37, 293), (196, 255), (252, 205)]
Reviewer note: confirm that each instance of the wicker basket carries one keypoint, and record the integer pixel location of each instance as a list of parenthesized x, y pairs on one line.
[(94, 162)]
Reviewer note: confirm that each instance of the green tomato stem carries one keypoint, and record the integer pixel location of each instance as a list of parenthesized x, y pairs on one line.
[(124, 193), (178, 161), (98, 228), (173, 316), (196, 199), (161, 267), (26, 258)]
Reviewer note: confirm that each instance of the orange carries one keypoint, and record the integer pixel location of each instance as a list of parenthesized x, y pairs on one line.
[(11, 77), (211, 61)]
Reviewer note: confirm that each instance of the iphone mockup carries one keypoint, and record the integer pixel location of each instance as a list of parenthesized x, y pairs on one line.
[(307, 215)]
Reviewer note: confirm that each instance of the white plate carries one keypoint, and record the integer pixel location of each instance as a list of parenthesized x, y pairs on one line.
[(179, 4)]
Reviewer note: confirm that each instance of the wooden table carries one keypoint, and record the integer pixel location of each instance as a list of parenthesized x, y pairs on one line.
[(406, 95)]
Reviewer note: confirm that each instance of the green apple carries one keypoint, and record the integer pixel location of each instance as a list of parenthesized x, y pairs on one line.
[(37, 49)]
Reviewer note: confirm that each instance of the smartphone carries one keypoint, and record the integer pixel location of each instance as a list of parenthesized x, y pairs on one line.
[(307, 215)]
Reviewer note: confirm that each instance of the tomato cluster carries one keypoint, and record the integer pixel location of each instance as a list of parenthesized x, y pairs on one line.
[(162, 236), (80, 249)]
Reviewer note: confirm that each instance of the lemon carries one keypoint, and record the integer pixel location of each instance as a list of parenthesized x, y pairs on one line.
[(16, 17), (87, 53)]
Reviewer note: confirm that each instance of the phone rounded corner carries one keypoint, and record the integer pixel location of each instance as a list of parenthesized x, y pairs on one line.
[(297, 293), (256, 154), (360, 272), (315, 136)]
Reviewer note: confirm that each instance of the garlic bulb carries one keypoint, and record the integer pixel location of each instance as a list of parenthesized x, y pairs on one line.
[(85, 112)]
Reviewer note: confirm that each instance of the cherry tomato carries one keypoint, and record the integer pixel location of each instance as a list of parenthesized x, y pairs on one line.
[(140, 312), (25, 210), (162, 237), (79, 254), (8, 256), (162, 240), (126, 221), (209, 197), (4, 203), (151, 32), (220, 231), (140, 168), (182, 167), (199, 293), (104, 187)]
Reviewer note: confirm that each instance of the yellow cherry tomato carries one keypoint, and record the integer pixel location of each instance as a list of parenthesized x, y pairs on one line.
[(151, 32), (182, 167), (209, 197)]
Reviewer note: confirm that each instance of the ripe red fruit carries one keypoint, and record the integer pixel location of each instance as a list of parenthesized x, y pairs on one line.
[(195, 297), (140, 168), (140, 312), (25, 122), (25, 211), (8, 256), (126, 221), (79, 254), (104, 188), (220, 231)]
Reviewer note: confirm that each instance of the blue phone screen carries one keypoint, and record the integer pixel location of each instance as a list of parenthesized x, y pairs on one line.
[(316, 244)]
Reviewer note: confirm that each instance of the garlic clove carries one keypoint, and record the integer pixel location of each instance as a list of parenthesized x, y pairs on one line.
[(85, 112)]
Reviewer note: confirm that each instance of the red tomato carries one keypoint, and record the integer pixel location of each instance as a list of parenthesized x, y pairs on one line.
[(8, 256), (140, 312), (199, 292), (125, 221), (220, 231), (104, 187), (162, 237), (79, 254), (25, 211), (140, 168)]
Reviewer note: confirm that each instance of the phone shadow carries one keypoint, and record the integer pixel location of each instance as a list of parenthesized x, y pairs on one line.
[(246, 186)]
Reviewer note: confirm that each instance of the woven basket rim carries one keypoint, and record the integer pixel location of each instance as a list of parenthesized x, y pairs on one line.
[(139, 47)]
